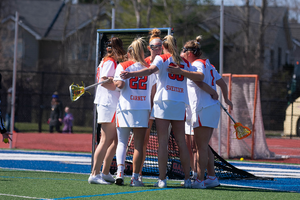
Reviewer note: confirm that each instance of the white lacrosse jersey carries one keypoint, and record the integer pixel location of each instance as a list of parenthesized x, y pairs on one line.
[(136, 94), (171, 86), (198, 98), (104, 96)]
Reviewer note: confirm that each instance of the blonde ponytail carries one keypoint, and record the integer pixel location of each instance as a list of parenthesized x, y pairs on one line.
[(169, 43), (136, 50)]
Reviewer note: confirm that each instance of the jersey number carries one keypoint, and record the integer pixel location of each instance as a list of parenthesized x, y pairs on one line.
[(213, 78), (138, 83), (176, 76)]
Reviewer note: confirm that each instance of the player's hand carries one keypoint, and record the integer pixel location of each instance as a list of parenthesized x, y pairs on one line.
[(109, 80), (5, 137), (125, 75), (174, 69), (228, 102), (215, 96)]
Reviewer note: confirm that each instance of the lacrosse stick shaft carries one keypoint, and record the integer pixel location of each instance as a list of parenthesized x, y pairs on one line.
[(95, 84), (227, 113), (129, 142)]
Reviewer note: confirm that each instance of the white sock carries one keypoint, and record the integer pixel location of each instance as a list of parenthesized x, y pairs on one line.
[(135, 176), (194, 174), (120, 168)]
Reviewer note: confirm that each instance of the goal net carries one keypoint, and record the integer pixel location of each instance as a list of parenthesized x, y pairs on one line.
[(243, 90), (174, 170)]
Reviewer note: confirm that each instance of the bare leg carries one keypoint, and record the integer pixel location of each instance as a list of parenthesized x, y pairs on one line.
[(146, 140), (211, 163), (162, 126), (202, 137), (108, 132), (194, 150), (139, 137), (179, 133), (188, 144), (111, 151)]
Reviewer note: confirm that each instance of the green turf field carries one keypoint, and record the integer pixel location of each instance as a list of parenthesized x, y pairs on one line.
[(48, 185)]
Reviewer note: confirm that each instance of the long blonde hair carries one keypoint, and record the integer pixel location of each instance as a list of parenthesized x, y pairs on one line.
[(136, 50), (169, 43)]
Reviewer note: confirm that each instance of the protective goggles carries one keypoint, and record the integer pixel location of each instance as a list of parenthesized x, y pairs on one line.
[(155, 47), (184, 50)]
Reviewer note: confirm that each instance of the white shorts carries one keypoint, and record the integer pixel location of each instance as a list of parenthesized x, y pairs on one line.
[(105, 114), (133, 118), (171, 110), (207, 117), (189, 130)]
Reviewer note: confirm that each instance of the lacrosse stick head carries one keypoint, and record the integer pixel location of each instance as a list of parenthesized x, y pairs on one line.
[(241, 131), (76, 91)]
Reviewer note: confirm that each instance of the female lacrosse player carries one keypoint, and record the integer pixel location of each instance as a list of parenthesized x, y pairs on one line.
[(106, 100), (155, 48), (205, 111), (133, 110), (169, 104)]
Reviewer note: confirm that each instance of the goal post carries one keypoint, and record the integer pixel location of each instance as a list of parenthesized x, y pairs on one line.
[(243, 91)]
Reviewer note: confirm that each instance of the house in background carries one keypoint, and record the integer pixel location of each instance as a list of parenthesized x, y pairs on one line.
[(56, 47), (277, 39), (49, 30), (269, 50)]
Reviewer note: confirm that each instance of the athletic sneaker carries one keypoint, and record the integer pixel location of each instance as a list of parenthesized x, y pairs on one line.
[(108, 178), (140, 178), (120, 178), (210, 183), (136, 183), (187, 183), (198, 184), (97, 180), (161, 183)]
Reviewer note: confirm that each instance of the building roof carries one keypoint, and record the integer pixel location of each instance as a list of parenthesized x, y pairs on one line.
[(37, 17)]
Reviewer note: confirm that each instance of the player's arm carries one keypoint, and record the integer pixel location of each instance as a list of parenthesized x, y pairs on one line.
[(205, 87), (195, 76), (221, 83), (108, 85), (142, 72), (119, 84), (153, 91)]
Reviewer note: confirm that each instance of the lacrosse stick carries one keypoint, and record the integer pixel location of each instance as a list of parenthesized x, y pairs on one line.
[(129, 143), (77, 91), (240, 130)]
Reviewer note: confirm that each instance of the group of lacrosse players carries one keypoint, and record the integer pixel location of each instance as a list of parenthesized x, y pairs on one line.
[(160, 87)]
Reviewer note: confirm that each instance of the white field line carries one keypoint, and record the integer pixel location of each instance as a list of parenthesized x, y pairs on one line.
[(37, 157), (24, 197)]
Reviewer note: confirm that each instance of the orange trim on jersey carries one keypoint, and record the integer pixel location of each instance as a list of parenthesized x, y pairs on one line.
[(199, 121), (127, 64), (111, 59), (113, 119), (165, 56), (187, 62), (201, 60), (117, 122), (147, 60)]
